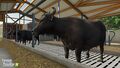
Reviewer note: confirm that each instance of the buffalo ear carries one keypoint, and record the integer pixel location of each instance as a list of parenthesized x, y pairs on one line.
[(54, 11)]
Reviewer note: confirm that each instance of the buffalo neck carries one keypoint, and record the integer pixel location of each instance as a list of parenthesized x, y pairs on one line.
[(59, 26)]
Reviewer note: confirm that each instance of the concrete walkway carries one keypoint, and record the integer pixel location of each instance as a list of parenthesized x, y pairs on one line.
[(5, 59), (110, 61)]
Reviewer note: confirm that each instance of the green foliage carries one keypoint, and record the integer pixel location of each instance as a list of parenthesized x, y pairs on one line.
[(112, 22)]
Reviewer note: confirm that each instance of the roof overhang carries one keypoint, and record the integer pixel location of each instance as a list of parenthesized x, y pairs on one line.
[(7, 5)]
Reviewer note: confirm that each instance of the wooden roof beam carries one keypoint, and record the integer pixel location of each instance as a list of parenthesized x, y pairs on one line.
[(99, 3), (72, 6), (107, 15), (95, 10), (11, 11), (115, 7), (90, 3), (80, 2)]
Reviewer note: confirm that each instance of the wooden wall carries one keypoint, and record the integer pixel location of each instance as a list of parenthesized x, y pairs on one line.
[(10, 27), (2, 16)]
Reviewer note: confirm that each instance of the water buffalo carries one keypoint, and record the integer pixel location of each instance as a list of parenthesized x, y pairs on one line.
[(76, 34), (24, 36)]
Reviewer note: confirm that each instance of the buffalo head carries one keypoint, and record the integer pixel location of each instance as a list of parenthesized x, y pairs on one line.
[(46, 23)]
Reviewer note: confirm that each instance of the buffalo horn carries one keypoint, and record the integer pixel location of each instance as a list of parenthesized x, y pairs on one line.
[(54, 11)]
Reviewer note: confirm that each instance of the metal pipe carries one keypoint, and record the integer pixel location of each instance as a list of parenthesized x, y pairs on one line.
[(19, 11), (6, 26), (10, 17), (33, 24), (6, 21), (18, 18), (24, 20), (58, 8), (31, 10), (19, 22), (110, 37)]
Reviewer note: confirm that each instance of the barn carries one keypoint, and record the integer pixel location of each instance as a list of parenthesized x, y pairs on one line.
[(40, 33)]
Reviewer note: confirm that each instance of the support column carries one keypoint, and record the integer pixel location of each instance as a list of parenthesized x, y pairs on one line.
[(19, 22), (33, 24), (6, 26)]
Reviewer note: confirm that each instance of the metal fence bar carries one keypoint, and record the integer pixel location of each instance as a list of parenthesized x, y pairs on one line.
[(31, 10)]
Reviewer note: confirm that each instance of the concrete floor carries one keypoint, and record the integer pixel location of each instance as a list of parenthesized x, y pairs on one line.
[(4, 58), (110, 61)]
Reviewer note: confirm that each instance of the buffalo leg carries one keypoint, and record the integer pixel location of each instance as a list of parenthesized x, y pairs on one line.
[(101, 51), (78, 55), (88, 55), (29, 41), (66, 52), (38, 42)]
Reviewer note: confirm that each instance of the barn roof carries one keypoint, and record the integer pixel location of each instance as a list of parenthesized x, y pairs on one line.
[(94, 9)]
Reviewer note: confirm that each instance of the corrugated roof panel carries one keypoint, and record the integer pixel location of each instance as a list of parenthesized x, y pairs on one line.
[(38, 16), (92, 14), (115, 11), (73, 1), (34, 11), (16, 5), (30, 1), (45, 3), (6, 6), (92, 7), (68, 13), (24, 6), (100, 0), (28, 9), (63, 5)]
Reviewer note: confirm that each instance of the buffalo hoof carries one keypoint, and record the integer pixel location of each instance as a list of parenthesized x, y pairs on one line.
[(33, 46), (100, 61), (79, 61)]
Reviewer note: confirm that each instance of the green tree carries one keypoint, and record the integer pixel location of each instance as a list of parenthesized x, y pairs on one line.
[(112, 22)]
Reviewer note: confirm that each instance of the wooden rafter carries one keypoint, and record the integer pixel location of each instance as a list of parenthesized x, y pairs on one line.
[(99, 3), (90, 3), (112, 8), (10, 11), (80, 2), (94, 10), (49, 5), (2, 16), (111, 14), (72, 6)]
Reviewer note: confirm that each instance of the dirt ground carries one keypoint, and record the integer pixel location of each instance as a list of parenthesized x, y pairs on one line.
[(26, 58)]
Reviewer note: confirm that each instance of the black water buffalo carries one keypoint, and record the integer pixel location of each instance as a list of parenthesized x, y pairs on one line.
[(76, 34), (23, 35)]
